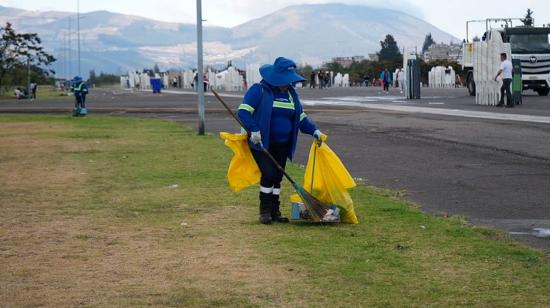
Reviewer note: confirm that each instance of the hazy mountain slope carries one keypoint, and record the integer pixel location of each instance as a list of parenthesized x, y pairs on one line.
[(111, 42), (325, 31)]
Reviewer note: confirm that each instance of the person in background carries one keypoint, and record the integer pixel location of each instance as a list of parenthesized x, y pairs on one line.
[(385, 78), (34, 87), (19, 94), (205, 81), (506, 72), (458, 81), (312, 80), (366, 79), (272, 113), (401, 80), (328, 82), (195, 80)]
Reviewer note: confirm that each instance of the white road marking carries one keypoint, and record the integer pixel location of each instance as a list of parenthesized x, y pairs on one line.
[(188, 93), (355, 101), (205, 93), (364, 98), (438, 111)]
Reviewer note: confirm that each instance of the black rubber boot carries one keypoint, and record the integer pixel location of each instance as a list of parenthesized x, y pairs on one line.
[(265, 208), (275, 211)]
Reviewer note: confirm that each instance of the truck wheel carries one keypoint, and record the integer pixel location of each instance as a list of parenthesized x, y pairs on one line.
[(543, 92), (470, 83)]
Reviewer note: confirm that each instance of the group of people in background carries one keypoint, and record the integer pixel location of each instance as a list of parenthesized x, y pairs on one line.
[(320, 79), (323, 79), (22, 93)]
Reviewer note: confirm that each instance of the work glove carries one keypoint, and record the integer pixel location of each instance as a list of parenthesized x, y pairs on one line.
[(256, 137), (317, 135)]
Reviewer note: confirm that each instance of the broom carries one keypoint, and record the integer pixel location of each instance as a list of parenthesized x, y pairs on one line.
[(316, 208)]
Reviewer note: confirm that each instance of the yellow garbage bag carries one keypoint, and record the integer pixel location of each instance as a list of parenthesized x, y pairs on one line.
[(331, 180), (243, 170)]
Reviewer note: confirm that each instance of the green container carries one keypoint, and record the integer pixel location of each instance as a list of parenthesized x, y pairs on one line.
[(517, 82)]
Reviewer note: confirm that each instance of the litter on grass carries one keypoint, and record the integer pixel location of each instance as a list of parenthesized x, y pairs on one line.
[(300, 212), (328, 180)]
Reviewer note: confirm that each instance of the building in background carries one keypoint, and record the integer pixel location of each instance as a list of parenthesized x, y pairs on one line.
[(452, 52), (374, 57), (346, 62)]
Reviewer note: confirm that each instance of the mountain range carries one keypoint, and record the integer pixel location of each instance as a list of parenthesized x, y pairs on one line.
[(310, 34)]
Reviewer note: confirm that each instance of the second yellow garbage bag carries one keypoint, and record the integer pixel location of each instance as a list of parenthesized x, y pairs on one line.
[(243, 170), (331, 180)]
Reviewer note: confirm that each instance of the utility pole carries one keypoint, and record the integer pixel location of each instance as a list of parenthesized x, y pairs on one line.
[(69, 52), (200, 77), (78, 33), (29, 90), (64, 44)]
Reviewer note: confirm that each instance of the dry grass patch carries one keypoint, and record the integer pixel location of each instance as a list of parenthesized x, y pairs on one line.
[(53, 255), (127, 212)]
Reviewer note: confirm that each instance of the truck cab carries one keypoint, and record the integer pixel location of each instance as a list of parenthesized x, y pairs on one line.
[(530, 45)]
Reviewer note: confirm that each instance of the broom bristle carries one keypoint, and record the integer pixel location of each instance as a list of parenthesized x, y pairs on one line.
[(316, 208)]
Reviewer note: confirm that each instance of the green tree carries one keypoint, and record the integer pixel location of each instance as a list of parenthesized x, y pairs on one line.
[(428, 41), (156, 69), (17, 50), (335, 67), (528, 20), (107, 79), (389, 50)]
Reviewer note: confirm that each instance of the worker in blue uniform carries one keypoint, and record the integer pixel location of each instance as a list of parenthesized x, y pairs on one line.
[(80, 90), (272, 113)]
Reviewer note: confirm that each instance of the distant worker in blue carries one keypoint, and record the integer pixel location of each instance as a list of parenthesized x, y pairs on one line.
[(386, 79), (80, 90), (272, 112)]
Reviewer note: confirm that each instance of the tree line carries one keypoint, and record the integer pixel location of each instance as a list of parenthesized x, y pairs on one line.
[(390, 57), (23, 52), (102, 79), (21, 55)]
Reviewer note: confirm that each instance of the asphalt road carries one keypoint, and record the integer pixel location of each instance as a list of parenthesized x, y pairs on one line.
[(447, 154)]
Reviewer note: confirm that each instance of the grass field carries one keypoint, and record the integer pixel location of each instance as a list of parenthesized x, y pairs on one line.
[(104, 211), (43, 92)]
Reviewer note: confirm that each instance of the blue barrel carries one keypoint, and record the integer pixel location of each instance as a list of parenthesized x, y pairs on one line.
[(156, 85)]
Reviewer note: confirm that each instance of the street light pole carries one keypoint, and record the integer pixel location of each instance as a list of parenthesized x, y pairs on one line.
[(78, 33), (200, 77), (29, 94), (69, 51)]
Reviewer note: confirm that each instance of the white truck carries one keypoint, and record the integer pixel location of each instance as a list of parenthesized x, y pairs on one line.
[(529, 44)]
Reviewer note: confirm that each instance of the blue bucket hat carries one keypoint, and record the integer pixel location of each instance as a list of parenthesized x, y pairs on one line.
[(281, 73)]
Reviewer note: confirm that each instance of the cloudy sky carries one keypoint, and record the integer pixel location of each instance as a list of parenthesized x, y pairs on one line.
[(449, 15)]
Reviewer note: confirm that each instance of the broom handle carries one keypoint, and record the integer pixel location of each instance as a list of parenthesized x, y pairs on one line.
[(244, 127), (228, 109)]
